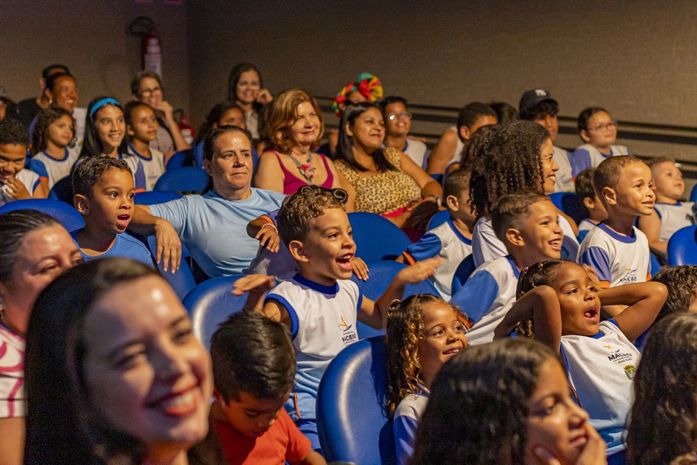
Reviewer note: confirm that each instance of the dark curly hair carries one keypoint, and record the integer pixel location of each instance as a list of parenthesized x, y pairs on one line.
[(508, 162), (405, 329), (681, 282), (478, 407), (476, 146), (538, 274), (45, 118), (663, 421), (13, 132), (300, 208)]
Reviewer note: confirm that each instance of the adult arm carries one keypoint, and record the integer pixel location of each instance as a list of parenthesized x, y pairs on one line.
[(341, 181), (173, 127), (443, 152), (429, 187), (169, 246), (269, 174), (12, 434)]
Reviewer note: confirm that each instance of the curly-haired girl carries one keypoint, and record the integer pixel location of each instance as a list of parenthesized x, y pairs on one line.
[(664, 414), (52, 155), (423, 332), (505, 403), (513, 158)]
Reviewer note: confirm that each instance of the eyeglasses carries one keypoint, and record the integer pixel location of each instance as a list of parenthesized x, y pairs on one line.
[(600, 127), (400, 115), (149, 92)]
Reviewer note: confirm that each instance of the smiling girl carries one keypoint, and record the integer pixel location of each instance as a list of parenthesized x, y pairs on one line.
[(53, 158)]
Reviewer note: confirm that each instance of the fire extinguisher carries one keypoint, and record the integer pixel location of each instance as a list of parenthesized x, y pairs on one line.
[(187, 130), (151, 44)]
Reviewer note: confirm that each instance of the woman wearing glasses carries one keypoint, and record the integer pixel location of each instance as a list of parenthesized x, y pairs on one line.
[(397, 126), (598, 130), (147, 87), (294, 129)]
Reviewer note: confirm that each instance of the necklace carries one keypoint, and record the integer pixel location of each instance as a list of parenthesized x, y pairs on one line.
[(306, 169)]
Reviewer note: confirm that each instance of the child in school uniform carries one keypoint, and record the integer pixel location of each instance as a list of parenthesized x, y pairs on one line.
[(670, 212), (321, 305), (141, 128), (53, 158), (538, 106), (585, 193), (253, 370), (559, 304), (103, 193), (452, 240), (598, 131), (528, 224), (17, 182), (615, 248)]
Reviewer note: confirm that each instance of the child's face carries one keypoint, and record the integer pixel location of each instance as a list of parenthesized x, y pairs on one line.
[(596, 209), (633, 193), (554, 421), (667, 179), (549, 166), (232, 117), (144, 125), (540, 233), (110, 203), (305, 130), (578, 299), (443, 337), (460, 207), (551, 124), (398, 121), (601, 132), (61, 131), (111, 127), (251, 415), (12, 157), (328, 247)]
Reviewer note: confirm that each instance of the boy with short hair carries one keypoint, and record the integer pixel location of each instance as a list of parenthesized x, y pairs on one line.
[(528, 224), (17, 182), (321, 305), (103, 193), (615, 249), (537, 105), (253, 371), (670, 212), (585, 193), (681, 282), (395, 112), (452, 240)]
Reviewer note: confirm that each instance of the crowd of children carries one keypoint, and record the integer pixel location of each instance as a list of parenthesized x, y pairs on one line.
[(537, 358)]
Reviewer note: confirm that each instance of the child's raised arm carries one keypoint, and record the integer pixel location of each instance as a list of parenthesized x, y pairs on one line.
[(643, 300), (257, 285), (264, 229), (541, 305), (374, 313)]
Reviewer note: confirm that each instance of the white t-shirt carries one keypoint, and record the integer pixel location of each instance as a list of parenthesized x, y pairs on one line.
[(673, 217), (27, 177)]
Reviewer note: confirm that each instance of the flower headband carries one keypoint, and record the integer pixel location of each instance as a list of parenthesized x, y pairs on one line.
[(368, 85)]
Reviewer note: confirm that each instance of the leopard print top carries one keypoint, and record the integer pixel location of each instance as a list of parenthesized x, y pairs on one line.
[(382, 192)]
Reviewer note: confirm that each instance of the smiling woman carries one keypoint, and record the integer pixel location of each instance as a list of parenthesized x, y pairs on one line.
[(136, 382)]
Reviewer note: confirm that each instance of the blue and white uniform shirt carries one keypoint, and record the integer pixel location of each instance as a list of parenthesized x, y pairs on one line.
[(487, 296), (586, 156), (617, 259), (447, 242), (51, 169), (323, 323), (406, 419), (564, 178), (673, 217)]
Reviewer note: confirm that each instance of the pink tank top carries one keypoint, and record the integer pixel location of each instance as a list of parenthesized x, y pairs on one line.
[(291, 183)]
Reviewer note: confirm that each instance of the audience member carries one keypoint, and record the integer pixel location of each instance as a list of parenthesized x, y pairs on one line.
[(8, 108), (246, 89), (226, 113), (505, 403), (17, 182), (598, 131), (505, 112), (321, 305), (423, 332), (111, 349), (618, 251), (559, 305), (213, 225), (385, 180), (147, 87), (141, 128), (103, 194), (539, 106), (34, 249), (27, 109), (253, 372), (586, 195), (681, 282), (670, 212), (53, 157), (527, 223), (397, 118)]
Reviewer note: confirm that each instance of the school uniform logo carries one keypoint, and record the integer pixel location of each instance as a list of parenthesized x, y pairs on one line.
[(348, 334), (630, 276), (617, 356)]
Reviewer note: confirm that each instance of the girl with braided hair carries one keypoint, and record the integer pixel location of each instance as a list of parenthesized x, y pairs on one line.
[(423, 332), (512, 158)]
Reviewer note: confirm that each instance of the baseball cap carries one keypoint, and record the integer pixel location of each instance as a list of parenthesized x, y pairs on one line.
[(531, 98)]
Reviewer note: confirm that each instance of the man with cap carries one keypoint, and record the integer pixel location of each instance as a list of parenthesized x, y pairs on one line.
[(537, 105)]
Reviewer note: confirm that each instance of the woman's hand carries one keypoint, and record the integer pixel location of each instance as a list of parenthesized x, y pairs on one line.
[(264, 97), (169, 246)]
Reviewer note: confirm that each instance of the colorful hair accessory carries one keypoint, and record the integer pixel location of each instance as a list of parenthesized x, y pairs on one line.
[(368, 85), (101, 102)]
